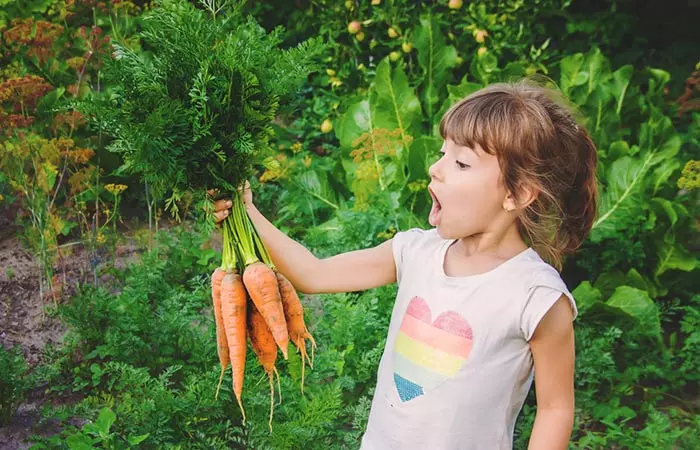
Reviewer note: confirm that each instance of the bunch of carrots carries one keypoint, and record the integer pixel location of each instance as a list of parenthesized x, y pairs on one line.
[(254, 301)]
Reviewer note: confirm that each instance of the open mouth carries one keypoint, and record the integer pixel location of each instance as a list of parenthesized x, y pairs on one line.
[(434, 218)]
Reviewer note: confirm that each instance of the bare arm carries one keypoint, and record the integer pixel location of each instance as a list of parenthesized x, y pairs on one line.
[(552, 348), (347, 272)]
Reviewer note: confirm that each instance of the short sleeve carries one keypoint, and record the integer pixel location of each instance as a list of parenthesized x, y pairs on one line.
[(401, 246), (540, 299)]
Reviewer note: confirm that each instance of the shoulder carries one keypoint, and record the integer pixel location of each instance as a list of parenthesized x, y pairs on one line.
[(543, 291), (416, 239), (534, 272), (414, 244)]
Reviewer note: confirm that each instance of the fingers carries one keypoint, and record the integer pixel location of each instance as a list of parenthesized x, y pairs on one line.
[(221, 215), (222, 204), (246, 187)]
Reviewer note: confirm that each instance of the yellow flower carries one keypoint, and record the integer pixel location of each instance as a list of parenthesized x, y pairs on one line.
[(335, 82), (101, 239), (115, 189)]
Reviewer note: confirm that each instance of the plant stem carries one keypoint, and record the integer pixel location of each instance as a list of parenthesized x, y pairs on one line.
[(242, 233)]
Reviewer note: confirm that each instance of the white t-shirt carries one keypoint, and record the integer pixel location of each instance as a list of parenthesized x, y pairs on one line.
[(457, 365)]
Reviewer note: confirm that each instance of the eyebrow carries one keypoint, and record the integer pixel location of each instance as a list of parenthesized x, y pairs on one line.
[(473, 151)]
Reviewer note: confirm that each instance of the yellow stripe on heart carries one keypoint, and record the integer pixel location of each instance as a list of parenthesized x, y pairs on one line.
[(427, 357)]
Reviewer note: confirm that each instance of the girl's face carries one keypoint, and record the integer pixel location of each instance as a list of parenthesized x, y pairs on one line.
[(467, 191)]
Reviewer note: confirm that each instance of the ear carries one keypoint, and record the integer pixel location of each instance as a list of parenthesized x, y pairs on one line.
[(525, 196)]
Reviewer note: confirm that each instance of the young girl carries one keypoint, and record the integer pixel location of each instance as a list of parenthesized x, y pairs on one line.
[(478, 310)]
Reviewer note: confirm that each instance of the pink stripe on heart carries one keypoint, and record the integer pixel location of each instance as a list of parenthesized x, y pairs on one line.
[(440, 339)]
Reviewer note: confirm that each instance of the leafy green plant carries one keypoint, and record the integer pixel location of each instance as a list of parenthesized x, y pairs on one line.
[(32, 166), (100, 435), (196, 123), (13, 382)]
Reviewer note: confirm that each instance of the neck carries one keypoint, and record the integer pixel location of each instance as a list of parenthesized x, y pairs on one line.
[(504, 243)]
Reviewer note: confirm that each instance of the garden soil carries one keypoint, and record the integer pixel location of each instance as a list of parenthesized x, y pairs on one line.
[(26, 322)]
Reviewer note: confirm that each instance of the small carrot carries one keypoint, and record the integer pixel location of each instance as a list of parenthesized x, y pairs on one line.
[(294, 316), (234, 303), (261, 282), (221, 343), (265, 348)]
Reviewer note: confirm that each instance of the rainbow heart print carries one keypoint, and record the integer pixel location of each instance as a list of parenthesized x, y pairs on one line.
[(427, 352)]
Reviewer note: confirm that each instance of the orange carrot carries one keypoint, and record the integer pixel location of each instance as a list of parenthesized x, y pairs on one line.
[(234, 303), (264, 346), (294, 315), (261, 283), (221, 343)]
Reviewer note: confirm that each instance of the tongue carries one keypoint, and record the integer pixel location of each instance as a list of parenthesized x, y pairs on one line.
[(434, 218)]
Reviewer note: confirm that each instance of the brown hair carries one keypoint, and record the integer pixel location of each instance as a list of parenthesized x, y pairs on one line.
[(539, 144)]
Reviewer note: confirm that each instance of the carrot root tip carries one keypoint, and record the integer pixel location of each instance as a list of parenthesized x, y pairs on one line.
[(221, 377)]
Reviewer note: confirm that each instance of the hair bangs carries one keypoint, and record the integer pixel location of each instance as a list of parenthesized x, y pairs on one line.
[(479, 120)]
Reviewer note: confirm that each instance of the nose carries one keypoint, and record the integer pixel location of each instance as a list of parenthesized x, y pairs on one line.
[(434, 170)]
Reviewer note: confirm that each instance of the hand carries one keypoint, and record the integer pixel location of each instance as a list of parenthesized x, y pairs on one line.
[(247, 195), (222, 207)]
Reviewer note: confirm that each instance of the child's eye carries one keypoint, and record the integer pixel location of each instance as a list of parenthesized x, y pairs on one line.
[(462, 165)]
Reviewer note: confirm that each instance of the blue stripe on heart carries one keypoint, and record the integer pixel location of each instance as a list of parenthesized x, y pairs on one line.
[(407, 389)]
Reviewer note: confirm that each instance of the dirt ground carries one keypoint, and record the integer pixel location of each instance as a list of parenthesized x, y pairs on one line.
[(24, 321)]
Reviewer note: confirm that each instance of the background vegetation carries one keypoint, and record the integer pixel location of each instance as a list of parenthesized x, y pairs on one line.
[(345, 169)]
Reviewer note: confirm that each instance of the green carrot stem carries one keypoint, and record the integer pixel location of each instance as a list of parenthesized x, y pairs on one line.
[(228, 254), (235, 249), (260, 245), (244, 239)]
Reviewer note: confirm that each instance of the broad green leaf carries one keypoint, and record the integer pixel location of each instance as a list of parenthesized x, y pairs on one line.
[(637, 280), (659, 136), (463, 89), (420, 154), (514, 70), (595, 66), (79, 442), (663, 173), (135, 440), (639, 305), (659, 204), (436, 58), (354, 123), (626, 176), (586, 295), (608, 281), (657, 81), (674, 256), (395, 104), (317, 186), (392, 174), (572, 72), (621, 81), (104, 421), (618, 149)]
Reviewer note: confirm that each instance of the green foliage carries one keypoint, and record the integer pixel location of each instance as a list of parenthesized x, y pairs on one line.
[(99, 435), (143, 346), (13, 382), (192, 110)]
